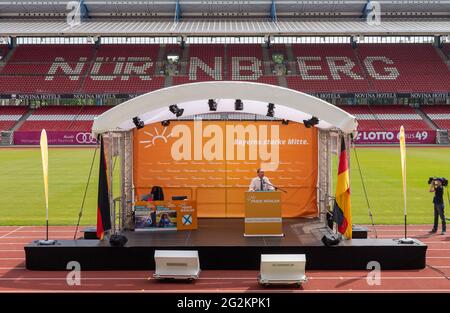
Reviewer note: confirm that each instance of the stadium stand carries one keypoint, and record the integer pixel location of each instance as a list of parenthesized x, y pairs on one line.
[(405, 68), (439, 114), (48, 69), (38, 85), (244, 62), (336, 68), (61, 118), (132, 84), (123, 69), (327, 68), (206, 63), (9, 115), (48, 53), (387, 117)]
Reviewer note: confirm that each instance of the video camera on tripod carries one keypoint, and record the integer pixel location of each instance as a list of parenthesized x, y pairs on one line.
[(443, 180), (444, 183)]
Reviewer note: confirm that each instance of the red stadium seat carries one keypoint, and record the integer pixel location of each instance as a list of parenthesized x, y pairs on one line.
[(439, 114), (63, 118), (414, 68), (318, 67), (329, 68), (9, 115), (48, 53), (386, 117)]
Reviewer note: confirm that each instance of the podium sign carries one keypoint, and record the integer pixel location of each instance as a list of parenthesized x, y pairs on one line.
[(165, 215), (263, 214)]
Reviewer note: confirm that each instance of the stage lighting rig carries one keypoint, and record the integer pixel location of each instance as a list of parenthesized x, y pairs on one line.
[(212, 105), (270, 109), (238, 105), (176, 110), (138, 123), (311, 122)]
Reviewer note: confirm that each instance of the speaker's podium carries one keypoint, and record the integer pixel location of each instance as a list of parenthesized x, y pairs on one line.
[(263, 214)]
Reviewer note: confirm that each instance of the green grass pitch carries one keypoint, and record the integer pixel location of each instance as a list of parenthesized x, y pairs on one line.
[(22, 199)]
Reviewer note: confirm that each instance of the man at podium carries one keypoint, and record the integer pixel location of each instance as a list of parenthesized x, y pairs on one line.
[(261, 182)]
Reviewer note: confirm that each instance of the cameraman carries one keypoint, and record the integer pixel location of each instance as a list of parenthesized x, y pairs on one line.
[(438, 201)]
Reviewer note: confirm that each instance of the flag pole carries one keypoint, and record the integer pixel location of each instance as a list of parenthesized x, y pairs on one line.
[(44, 155), (402, 139)]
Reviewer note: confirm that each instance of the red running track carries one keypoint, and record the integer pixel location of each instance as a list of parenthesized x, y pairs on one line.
[(15, 278)]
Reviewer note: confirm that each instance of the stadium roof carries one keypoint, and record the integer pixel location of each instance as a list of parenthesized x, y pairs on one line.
[(225, 7), (223, 18), (291, 105), (223, 27)]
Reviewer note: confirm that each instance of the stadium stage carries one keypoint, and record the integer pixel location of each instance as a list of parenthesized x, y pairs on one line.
[(221, 245)]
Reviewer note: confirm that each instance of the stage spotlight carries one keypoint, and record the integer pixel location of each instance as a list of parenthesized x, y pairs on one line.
[(270, 109), (165, 123), (212, 105), (285, 122), (176, 110), (238, 105), (311, 122), (138, 123)]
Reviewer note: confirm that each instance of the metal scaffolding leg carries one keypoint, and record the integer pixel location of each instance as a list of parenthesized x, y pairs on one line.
[(126, 153), (324, 177)]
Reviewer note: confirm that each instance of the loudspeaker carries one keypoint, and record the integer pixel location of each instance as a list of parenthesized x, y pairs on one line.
[(118, 240), (177, 264), (282, 269), (330, 240)]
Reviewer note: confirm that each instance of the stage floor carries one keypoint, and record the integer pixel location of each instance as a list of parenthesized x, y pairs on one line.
[(228, 232), (222, 245)]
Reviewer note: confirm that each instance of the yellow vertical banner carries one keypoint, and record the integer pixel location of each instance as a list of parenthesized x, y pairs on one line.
[(403, 161), (44, 154)]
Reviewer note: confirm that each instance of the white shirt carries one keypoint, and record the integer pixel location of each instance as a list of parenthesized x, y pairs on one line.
[(255, 185)]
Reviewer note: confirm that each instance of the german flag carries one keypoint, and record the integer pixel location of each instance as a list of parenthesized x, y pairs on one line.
[(103, 208), (342, 213)]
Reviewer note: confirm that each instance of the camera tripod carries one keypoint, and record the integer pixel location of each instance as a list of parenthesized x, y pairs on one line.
[(448, 198)]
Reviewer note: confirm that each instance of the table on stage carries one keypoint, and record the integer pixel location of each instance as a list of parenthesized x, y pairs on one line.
[(263, 214)]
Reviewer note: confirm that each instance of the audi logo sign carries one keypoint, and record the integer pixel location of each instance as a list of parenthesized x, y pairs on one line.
[(55, 138), (85, 138)]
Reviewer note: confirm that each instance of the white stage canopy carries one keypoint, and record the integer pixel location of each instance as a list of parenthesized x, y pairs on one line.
[(193, 98)]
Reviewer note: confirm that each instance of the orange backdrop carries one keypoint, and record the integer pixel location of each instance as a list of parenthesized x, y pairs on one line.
[(213, 163)]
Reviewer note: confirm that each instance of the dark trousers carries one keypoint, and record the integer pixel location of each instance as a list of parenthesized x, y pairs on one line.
[(439, 212)]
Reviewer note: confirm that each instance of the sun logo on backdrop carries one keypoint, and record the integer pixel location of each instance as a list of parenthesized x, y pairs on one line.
[(154, 138)]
